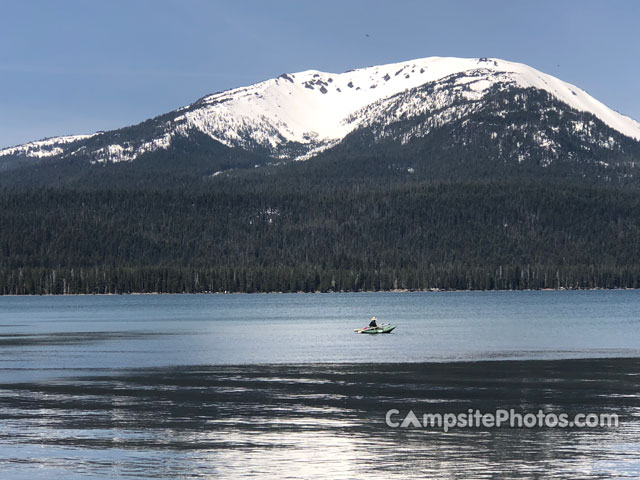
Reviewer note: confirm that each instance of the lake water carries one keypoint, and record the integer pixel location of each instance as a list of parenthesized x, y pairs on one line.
[(203, 386)]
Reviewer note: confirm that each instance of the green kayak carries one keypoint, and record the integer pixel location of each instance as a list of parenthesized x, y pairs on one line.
[(384, 328)]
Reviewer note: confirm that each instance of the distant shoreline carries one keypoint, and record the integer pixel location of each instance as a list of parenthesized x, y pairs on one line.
[(434, 290)]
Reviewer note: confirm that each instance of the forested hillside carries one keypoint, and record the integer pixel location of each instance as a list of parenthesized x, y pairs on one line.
[(248, 234)]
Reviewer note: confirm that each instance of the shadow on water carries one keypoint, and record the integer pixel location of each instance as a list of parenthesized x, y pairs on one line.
[(320, 419)]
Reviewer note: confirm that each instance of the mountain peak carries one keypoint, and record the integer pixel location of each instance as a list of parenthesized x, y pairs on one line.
[(296, 115)]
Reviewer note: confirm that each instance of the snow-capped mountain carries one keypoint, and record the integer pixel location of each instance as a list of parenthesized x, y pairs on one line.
[(298, 115)]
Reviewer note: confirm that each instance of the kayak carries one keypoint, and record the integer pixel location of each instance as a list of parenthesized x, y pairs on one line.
[(384, 328)]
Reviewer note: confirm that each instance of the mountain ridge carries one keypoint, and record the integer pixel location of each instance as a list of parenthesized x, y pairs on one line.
[(298, 115)]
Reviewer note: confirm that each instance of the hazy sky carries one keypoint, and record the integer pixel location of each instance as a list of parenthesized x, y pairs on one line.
[(78, 66)]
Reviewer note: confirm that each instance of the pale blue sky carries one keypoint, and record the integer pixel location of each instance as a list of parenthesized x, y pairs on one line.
[(77, 66)]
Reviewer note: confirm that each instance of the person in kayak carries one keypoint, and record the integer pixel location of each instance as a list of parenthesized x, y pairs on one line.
[(372, 323)]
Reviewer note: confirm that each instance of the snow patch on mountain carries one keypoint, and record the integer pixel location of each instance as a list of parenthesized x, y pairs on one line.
[(47, 147), (128, 151)]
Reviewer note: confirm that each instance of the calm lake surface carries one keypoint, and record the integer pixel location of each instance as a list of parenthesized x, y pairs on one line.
[(210, 386)]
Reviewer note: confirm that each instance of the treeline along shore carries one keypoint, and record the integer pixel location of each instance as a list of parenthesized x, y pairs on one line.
[(289, 235)]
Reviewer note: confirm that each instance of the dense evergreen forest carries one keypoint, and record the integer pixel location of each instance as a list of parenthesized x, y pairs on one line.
[(291, 232)]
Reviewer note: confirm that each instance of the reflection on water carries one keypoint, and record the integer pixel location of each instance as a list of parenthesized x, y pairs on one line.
[(67, 338), (327, 420)]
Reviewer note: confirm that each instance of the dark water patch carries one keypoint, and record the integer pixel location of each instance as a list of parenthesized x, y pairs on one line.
[(69, 338), (256, 420)]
